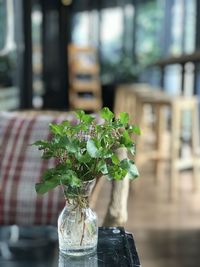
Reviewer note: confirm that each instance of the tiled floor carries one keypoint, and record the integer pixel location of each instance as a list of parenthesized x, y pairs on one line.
[(167, 233)]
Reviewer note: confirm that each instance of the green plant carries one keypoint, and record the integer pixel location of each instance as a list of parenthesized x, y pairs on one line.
[(87, 150)]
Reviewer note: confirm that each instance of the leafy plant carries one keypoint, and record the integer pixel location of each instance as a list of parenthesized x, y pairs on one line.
[(87, 150)]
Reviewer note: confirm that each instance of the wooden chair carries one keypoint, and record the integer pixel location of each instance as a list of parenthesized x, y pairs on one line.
[(85, 87)]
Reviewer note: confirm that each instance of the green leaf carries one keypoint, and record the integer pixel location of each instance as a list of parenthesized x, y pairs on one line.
[(41, 143), (131, 149), (56, 129), (61, 142), (84, 158), (106, 114), (116, 172), (44, 187), (92, 149), (87, 118), (102, 167), (79, 114), (55, 173), (47, 154), (65, 123), (131, 168), (126, 139), (48, 174), (115, 159), (120, 174), (70, 178), (75, 182), (103, 152), (135, 129), (70, 145), (124, 117)]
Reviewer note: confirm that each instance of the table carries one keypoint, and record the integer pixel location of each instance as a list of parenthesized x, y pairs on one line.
[(37, 246)]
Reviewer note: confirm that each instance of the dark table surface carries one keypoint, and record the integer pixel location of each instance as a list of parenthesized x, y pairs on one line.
[(38, 247)]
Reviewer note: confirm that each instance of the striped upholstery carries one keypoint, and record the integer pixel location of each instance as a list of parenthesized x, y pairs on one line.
[(21, 167)]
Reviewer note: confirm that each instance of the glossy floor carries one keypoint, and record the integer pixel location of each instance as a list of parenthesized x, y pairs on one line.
[(167, 233)]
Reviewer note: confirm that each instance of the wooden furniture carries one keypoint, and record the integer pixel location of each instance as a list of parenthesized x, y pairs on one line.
[(184, 108), (182, 60), (168, 113), (85, 87), (133, 99)]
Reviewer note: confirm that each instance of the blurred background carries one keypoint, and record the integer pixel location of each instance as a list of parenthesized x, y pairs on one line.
[(139, 56), (135, 41)]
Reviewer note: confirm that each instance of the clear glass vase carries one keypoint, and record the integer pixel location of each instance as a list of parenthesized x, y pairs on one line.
[(77, 224)]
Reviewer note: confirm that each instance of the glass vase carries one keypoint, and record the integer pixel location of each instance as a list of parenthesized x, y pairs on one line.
[(77, 224)]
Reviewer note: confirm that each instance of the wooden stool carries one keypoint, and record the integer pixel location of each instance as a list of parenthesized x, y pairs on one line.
[(132, 99), (126, 101), (178, 162)]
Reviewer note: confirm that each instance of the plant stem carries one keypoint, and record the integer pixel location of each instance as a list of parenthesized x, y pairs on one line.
[(86, 173), (83, 230)]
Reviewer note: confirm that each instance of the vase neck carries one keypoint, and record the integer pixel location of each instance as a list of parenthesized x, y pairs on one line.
[(81, 192), (78, 202)]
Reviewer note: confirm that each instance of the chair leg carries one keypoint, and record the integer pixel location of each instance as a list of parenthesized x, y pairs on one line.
[(160, 129), (173, 183), (117, 212), (196, 176), (96, 191)]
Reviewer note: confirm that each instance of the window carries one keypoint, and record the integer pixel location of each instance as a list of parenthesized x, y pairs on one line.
[(111, 30), (9, 32), (2, 24), (111, 34), (85, 28), (183, 29), (81, 29), (172, 80), (38, 88), (177, 13), (149, 22), (190, 26)]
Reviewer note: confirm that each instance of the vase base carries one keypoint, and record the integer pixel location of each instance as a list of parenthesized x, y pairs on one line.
[(78, 252)]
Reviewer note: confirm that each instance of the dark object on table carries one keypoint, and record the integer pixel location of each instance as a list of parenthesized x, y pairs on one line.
[(116, 248), (37, 246)]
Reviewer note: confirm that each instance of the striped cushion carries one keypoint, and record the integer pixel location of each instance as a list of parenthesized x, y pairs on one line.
[(21, 167)]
